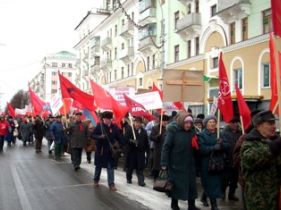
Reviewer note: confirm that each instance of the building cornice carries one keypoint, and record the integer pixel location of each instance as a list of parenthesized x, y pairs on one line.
[(185, 61)]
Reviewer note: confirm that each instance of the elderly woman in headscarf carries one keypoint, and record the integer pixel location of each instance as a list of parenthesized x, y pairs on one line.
[(177, 157), (211, 148)]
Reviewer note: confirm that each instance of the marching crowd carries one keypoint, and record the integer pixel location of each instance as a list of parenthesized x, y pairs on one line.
[(185, 147)]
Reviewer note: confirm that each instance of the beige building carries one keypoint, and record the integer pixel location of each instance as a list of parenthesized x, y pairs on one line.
[(141, 39)]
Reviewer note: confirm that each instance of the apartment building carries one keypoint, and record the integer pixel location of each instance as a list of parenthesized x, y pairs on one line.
[(138, 40)]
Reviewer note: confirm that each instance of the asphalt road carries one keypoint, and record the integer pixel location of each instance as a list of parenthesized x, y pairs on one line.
[(30, 181)]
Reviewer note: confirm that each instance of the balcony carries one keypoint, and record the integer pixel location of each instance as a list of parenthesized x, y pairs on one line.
[(189, 26), (95, 46), (185, 1), (231, 10), (146, 44), (127, 30), (106, 64), (126, 54), (147, 9), (106, 43)]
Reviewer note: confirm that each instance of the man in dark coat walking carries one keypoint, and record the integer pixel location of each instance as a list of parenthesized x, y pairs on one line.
[(158, 139), (138, 147), (78, 132), (230, 134), (58, 136), (106, 134), (38, 129)]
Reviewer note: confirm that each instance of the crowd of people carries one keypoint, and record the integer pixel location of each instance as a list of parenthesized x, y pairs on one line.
[(185, 146)]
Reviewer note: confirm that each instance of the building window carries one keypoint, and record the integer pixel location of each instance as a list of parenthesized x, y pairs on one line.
[(63, 65), (188, 8), (110, 32), (128, 70), (54, 73), (238, 78), (232, 32), (123, 46), (140, 81), (54, 91), (115, 74), (162, 2), (177, 17), (115, 53), (123, 22), (69, 74), (122, 73), (54, 82), (115, 30), (244, 29), (213, 10), (267, 21), (188, 48), (133, 16), (70, 65), (197, 46), (148, 63), (153, 61), (215, 62), (132, 69), (265, 75), (196, 6), (54, 64), (177, 53)]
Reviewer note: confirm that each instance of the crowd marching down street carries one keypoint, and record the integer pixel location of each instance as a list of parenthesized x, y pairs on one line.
[(177, 148)]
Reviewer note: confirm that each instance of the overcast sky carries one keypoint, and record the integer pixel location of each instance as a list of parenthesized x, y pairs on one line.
[(30, 29)]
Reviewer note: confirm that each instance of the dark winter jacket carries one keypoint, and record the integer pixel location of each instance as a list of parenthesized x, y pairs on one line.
[(135, 158), (38, 129), (57, 133), (211, 183), (78, 133), (177, 156), (158, 140), (103, 155)]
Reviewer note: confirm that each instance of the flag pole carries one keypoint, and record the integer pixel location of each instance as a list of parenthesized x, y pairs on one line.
[(242, 125), (218, 124), (131, 122), (161, 122), (278, 85)]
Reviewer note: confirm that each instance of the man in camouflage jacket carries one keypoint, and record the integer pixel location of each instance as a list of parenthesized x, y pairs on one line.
[(261, 164)]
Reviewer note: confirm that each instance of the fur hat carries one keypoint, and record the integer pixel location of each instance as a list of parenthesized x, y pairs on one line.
[(264, 116), (107, 115)]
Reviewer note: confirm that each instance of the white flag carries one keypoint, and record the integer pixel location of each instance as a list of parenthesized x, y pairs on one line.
[(56, 103)]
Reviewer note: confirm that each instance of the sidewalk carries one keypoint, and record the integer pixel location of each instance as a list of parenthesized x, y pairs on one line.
[(146, 195)]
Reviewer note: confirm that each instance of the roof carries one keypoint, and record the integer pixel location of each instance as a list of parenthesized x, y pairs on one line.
[(66, 53)]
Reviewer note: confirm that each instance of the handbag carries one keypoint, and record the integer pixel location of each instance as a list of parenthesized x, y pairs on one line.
[(216, 163), (114, 147), (163, 183)]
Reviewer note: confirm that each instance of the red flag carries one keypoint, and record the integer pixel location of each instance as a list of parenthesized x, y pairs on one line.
[(224, 98), (155, 88), (105, 100), (276, 16), (180, 105), (69, 90), (273, 81), (67, 104), (11, 110), (102, 97), (136, 109), (37, 103), (244, 110)]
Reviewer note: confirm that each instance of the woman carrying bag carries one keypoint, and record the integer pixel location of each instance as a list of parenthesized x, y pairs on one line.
[(178, 159), (212, 160)]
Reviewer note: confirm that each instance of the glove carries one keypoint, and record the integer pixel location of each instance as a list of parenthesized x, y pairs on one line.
[(275, 146), (132, 141), (217, 147)]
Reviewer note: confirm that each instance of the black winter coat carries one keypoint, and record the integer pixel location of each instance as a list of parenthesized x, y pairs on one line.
[(135, 158)]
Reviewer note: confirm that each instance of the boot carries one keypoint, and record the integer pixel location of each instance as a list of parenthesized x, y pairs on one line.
[(214, 205), (204, 200), (231, 195), (191, 205), (174, 204)]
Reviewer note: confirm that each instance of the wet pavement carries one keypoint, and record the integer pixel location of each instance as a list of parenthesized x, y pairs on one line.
[(30, 181)]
